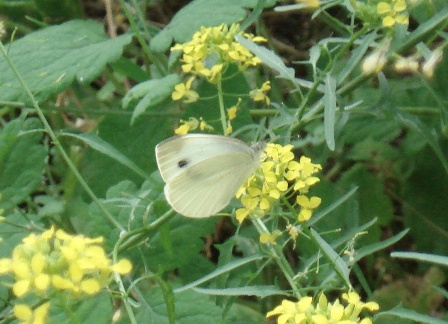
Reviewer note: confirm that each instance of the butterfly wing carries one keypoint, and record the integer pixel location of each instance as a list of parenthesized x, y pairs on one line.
[(203, 172), (208, 186)]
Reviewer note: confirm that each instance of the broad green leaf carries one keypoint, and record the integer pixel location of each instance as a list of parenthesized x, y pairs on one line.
[(191, 308), (336, 261), (320, 214), (196, 14), (150, 93), (269, 58), (100, 305), (370, 198), (136, 143), (95, 142), (426, 132), (330, 110), (50, 59), (22, 161), (170, 246), (424, 202)]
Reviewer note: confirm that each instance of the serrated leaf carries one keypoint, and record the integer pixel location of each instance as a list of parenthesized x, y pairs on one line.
[(269, 58), (196, 14), (337, 262), (151, 92), (22, 161), (329, 110), (60, 54)]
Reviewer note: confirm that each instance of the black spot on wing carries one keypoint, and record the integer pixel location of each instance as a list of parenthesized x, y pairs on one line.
[(182, 163)]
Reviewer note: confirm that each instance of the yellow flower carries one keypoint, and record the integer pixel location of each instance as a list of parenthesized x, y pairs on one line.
[(304, 311), (307, 204), (191, 125), (231, 112), (229, 128), (212, 49), (260, 94), (393, 12), (270, 237), (278, 174), (27, 316), (55, 260), (183, 91)]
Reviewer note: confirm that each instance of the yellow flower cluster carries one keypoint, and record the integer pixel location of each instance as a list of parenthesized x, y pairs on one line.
[(57, 261), (393, 12), (212, 49), (208, 55), (279, 175), (304, 312)]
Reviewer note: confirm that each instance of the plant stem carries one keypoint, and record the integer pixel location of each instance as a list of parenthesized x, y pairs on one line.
[(279, 257)]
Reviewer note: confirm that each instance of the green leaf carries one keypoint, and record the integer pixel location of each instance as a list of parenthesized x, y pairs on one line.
[(330, 110), (136, 143), (128, 68), (269, 58), (426, 132), (372, 248), (95, 142), (411, 315), (224, 269), (172, 245), (258, 291), (425, 204), (150, 93), (370, 198), (424, 257), (60, 54), (100, 305), (191, 308), (22, 161), (338, 263), (196, 14)]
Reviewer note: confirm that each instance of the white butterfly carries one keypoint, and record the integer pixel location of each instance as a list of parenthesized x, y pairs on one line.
[(202, 172)]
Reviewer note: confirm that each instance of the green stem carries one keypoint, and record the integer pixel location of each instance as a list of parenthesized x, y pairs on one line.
[(117, 278), (279, 257), (56, 142), (221, 106), (155, 60)]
